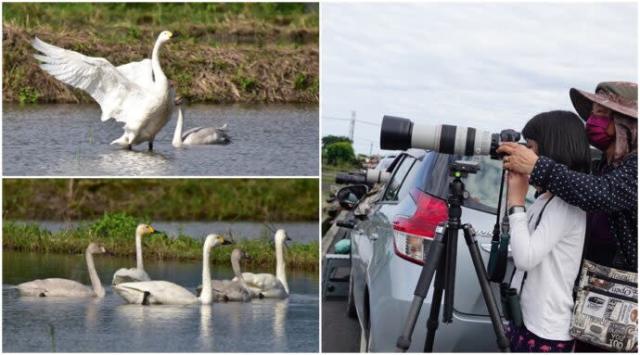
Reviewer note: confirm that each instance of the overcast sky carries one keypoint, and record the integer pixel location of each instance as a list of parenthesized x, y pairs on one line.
[(489, 66)]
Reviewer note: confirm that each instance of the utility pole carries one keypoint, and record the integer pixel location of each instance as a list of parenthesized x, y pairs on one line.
[(352, 125), (370, 148)]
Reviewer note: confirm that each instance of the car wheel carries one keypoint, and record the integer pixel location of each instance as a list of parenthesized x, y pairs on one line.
[(351, 304)]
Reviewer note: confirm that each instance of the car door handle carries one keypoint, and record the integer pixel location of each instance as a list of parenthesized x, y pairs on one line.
[(373, 236)]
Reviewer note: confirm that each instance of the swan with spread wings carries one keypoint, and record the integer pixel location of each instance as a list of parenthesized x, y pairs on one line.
[(137, 94)]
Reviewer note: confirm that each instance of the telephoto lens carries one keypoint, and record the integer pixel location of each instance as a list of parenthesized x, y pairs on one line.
[(370, 177), (400, 134), (349, 178)]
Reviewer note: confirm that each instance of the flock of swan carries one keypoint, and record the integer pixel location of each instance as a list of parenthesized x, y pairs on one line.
[(136, 287), (138, 94)]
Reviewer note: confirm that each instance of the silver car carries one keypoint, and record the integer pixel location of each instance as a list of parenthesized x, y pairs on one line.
[(387, 255)]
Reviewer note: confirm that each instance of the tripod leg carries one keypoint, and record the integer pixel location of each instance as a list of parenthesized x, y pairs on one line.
[(450, 272), (489, 300), (436, 300), (422, 288)]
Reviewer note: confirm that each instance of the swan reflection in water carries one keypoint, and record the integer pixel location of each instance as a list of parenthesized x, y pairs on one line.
[(206, 328), (147, 163)]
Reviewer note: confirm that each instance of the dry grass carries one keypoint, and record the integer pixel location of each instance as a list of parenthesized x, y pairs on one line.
[(236, 59)]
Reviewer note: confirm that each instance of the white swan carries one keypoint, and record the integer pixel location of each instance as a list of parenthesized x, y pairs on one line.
[(268, 285), (67, 288), (164, 292), (137, 273), (199, 135), (136, 94), (231, 290)]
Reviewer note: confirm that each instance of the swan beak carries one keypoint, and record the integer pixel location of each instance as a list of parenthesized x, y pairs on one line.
[(226, 242)]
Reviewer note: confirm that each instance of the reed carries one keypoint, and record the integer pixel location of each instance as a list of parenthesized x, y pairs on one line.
[(116, 232)]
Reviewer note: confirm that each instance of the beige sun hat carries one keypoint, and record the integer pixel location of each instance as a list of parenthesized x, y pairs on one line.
[(618, 96)]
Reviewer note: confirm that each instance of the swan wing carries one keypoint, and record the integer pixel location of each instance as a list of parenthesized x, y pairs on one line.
[(54, 287), (205, 135), (96, 76), (130, 275), (260, 281), (155, 292), (140, 72), (190, 131)]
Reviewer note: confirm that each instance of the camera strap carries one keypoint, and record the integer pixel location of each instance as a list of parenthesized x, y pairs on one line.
[(497, 266)]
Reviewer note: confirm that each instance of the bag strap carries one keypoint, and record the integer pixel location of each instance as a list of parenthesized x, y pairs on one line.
[(534, 228)]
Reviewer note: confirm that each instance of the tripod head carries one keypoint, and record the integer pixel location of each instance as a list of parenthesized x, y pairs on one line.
[(462, 168)]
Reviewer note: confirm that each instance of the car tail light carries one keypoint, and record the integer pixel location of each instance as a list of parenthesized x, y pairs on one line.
[(410, 232)]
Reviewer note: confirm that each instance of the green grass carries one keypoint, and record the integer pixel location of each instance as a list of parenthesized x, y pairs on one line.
[(268, 44), (116, 233), (162, 199)]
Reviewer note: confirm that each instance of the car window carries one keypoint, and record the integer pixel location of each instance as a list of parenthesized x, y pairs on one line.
[(408, 182), (394, 185), (483, 187)]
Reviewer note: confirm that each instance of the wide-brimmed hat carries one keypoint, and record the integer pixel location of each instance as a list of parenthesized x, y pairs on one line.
[(618, 96)]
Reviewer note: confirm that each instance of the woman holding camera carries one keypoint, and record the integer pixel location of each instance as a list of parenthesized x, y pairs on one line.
[(547, 240), (610, 195)]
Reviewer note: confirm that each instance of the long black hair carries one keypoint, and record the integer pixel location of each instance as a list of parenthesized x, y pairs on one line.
[(560, 136)]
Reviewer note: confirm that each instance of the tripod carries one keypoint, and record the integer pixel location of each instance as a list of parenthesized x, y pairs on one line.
[(445, 242)]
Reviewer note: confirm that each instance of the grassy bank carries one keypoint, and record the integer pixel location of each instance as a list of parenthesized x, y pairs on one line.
[(225, 53), (116, 233), (162, 199)]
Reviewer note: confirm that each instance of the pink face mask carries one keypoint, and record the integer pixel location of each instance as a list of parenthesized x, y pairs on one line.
[(597, 131)]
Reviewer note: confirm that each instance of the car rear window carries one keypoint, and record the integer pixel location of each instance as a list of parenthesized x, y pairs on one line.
[(483, 187)]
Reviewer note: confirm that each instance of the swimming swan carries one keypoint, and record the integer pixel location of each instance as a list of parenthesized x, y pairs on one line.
[(268, 285), (136, 94), (199, 135), (137, 273), (67, 288), (164, 292), (230, 290)]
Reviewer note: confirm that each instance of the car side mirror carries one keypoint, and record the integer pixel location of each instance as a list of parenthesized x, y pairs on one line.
[(349, 196)]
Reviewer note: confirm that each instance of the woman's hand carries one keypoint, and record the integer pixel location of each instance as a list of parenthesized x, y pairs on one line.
[(518, 186), (519, 158)]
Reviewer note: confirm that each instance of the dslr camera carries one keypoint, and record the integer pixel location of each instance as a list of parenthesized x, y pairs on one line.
[(401, 133)]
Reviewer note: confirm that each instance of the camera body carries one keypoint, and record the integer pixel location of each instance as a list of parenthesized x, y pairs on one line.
[(399, 133)]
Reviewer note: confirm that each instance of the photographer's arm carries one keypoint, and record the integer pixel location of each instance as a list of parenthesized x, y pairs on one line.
[(608, 193)]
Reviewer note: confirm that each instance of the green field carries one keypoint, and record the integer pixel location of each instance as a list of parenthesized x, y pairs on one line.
[(224, 53), (162, 199), (116, 232)]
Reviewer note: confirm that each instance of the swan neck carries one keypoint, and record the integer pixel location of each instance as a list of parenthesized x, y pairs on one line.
[(93, 275), (206, 295), (280, 267), (158, 74), (177, 135), (139, 264), (235, 265)]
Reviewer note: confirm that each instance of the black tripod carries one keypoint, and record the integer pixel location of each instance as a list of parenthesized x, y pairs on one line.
[(445, 241)]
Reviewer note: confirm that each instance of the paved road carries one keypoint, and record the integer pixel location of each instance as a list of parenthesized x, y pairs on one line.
[(339, 332)]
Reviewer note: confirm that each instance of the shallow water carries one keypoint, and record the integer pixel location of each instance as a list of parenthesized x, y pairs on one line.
[(71, 140), (100, 325), (299, 232)]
